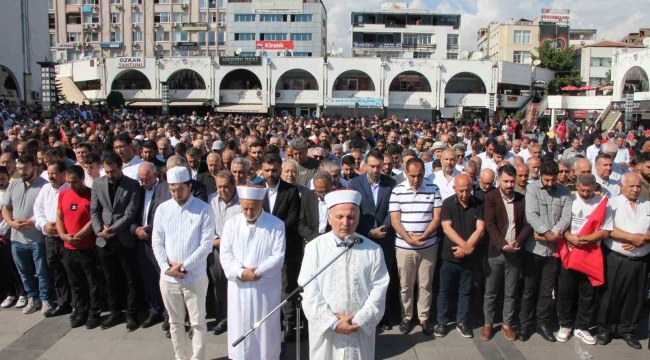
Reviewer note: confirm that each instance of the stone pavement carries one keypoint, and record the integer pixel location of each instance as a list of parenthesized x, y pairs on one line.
[(26, 337)]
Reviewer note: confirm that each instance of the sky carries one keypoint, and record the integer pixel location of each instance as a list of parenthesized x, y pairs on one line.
[(612, 18)]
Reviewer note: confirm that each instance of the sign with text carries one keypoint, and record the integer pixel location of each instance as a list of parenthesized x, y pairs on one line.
[(274, 45), (65, 45), (130, 62), (558, 16), (376, 45), (186, 45), (354, 102), (240, 60), (194, 26), (580, 114), (280, 6), (110, 44)]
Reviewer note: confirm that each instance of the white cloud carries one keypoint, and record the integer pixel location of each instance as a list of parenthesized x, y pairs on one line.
[(613, 18)]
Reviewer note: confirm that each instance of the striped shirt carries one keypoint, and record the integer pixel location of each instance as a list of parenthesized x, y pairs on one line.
[(416, 210), (183, 234)]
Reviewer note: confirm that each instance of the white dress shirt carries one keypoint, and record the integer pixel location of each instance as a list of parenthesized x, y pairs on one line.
[(45, 205), (446, 186), (148, 198), (271, 194), (631, 221), (610, 187), (223, 211), (322, 216), (622, 155), (591, 153), (130, 169)]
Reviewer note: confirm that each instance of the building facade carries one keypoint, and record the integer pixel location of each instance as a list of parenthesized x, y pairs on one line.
[(176, 28), (595, 60), (400, 32), (582, 37), (514, 40), (636, 38)]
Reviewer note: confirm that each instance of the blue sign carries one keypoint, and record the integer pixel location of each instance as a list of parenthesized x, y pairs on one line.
[(113, 44), (376, 45), (86, 9), (354, 102)]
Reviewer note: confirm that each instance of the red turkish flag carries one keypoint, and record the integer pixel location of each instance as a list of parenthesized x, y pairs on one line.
[(587, 259)]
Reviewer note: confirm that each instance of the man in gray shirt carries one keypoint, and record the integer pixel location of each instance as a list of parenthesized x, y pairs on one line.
[(548, 210), (27, 242)]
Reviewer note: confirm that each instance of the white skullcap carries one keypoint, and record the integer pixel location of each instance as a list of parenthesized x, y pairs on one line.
[(177, 175), (139, 137), (342, 197), (251, 193)]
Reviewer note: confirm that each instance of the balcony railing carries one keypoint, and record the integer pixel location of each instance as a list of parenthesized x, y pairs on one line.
[(376, 45), (419, 46)]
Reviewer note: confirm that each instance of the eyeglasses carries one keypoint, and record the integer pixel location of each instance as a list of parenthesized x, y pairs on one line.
[(318, 157), (460, 156), (565, 171)]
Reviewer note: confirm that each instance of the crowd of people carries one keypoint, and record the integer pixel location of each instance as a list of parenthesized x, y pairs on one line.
[(225, 215)]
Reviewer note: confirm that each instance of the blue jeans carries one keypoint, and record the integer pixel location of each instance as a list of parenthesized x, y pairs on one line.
[(31, 262), (452, 273)]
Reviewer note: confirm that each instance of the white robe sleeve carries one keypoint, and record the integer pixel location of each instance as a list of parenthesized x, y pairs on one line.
[(273, 264), (317, 310), (205, 247), (231, 266), (372, 310)]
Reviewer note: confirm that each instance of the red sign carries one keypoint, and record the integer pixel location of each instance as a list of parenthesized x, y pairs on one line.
[(274, 45), (580, 114)]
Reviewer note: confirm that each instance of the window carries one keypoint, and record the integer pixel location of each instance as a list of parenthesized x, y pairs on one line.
[(72, 2), (203, 17), (302, 54), (422, 55), (116, 36), (72, 18), (271, 18), (161, 1), (91, 2), (162, 53), (179, 1), (94, 36), (74, 37), (136, 17), (223, 4), (52, 40), (596, 82), (222, 17), (247, 53), (50, 4), (245, 17), (135, 2), (302, 18), (601, 62), (521, 56), (244, 37), (116, 53), (179, 17), (301, 37), (137, 35), (179, 36), (221, 38), (273, 36), (161, 17), (91, 18), (452, 55), (51, 18), (522, 37), (207, 38), (116, 2), (452, 41), (116, 18), (179, 53), (138, 53), (162, 35), (416, 39)]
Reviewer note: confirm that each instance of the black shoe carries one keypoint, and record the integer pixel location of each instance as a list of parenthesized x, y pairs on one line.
[(111, 320), (289, 334), (546, 333), (439, 330), (465, 330), (74, 313), (631, 341), (131, 323), (221, 327), (386, 327), (152, 320), (427, 328), (92, 322), (168, 334), (603, 338), (405, 326), (165, 325), (524, 333), (79, 321), (58, 311)]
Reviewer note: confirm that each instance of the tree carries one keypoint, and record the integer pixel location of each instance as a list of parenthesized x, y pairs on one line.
[(560, 61), (115, 99), (609, 81)]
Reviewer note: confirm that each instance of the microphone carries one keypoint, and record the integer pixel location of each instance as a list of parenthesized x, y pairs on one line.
[(353, 240)]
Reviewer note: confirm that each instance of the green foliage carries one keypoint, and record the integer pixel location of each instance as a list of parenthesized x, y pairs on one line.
[(554, 59), (561, 80), (517, 116), (609, 81), (502, 114), (457, 115), (115, 99)]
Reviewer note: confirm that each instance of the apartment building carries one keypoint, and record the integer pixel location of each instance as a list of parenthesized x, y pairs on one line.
[(582, 37), (636, 38), (514, 40)]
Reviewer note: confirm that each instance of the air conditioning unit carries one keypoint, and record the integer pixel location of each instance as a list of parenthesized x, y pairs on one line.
[(134, 6), (158, 43), (119, 7), (174, 24), (84, 26), (156, 25), (134, 25), (116, 25), (220, 24), (184, 6), (77, 44), (86, 44), (94, 26), (95, 8)]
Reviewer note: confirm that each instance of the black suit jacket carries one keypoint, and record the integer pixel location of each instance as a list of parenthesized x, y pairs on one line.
[(203, 168), (496, 221), (287, 209), (162, 194), (208, 180), (371, 213), (308, 224), (119, 214)]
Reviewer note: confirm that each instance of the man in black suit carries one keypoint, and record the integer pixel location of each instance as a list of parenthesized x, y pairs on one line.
[(208, 178), (283, 201), (197, 166), (113, 208), (149, 152), (313, 210), (146, 258), (374, 220)]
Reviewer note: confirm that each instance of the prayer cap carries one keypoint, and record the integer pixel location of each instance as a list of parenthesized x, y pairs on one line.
[(177, 175), (342, 197), (251, 192)]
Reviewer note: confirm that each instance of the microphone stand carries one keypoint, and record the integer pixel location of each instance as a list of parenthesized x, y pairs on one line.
[(353, 240)]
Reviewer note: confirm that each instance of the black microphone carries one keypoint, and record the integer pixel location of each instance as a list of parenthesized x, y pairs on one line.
[(352, 240)]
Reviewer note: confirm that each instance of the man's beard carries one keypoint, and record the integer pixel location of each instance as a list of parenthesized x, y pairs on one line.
[(448, 170), (549, 188), (272, 180)]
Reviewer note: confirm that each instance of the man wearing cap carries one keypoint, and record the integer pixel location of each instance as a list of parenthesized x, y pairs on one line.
[(252, 255), (345, 303), (182, 239), (218, 147)]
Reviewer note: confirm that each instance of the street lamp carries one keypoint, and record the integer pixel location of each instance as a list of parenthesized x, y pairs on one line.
[(48, 86), (164, 87)]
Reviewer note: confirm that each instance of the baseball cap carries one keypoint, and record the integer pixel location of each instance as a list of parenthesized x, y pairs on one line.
[(218, 145)]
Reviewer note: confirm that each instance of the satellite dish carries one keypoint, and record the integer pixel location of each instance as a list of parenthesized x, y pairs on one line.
[(582, 36), (81, 57), (339, 50), (465, 55), (537, 62), (646, 42), (238, 51), (528, 61), (284, 113), (477, 55)]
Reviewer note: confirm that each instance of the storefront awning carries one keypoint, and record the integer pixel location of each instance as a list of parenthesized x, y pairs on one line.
[(187, 103), (144, 103), (257, 109)]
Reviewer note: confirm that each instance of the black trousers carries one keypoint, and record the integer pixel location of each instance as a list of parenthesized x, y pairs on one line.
[(570, 282), (390, 260), (539, 274), (85, 280), (219, 286), (115, 258), (54, 252), (150, 278), (9, 277), (290, 272), (623, 294)]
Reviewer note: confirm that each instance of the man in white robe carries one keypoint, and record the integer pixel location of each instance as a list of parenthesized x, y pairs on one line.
[(345, 303), (252, 255)]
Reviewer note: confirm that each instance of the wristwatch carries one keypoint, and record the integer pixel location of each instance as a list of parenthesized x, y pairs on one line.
[(183, 270)]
